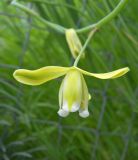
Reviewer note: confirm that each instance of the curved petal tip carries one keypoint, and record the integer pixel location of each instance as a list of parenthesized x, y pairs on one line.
[(63, 113), (108, 75), (84, 113), (39, 76)]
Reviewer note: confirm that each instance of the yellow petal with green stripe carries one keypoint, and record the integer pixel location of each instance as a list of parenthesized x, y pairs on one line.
[(109, 75), (72, 91), (39, 76)]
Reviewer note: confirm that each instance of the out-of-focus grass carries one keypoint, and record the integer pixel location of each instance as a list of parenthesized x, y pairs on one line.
[(29, 125)]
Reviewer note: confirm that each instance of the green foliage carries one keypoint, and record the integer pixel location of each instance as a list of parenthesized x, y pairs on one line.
[(29, 125)]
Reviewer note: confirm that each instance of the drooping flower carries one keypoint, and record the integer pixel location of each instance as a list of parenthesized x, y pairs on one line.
[(73, 92), (74, 42)]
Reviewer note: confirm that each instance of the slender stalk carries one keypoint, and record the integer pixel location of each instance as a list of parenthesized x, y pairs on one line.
[(92, 27), (56, 27), (84, 46), (106, 19), (55, 4), (61, 29)]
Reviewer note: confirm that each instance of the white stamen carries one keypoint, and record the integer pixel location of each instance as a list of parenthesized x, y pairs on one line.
[(84, 113), (75, 107), (63, 113)]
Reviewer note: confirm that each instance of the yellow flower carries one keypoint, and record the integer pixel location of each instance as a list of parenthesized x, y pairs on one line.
[(74, 42), (73, 93)]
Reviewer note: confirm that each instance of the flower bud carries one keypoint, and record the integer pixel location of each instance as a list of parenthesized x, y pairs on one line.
[(73, 42)]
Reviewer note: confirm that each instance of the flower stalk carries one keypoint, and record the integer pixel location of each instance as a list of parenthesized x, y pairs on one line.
[(84, 46), (62, 29), (54, 26), (106, 19)]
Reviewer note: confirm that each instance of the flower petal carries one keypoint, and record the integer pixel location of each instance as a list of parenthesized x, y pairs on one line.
[(109, 75), (85, 95), (39, 76), (63, 113), (84, 113), (90, 97), (72, 91)]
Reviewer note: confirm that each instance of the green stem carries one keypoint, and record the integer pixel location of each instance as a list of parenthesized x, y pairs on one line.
[(84, 46), (106, 19), (55, 4), (61, 29), (56, 27)]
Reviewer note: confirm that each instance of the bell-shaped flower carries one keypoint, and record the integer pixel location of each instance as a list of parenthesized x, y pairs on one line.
[(73, 93)]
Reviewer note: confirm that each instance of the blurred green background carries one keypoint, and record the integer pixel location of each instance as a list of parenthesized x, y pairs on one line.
[(29, 125)]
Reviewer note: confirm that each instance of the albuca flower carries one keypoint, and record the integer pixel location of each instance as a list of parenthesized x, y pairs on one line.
[(74, 42), (73, 92)]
